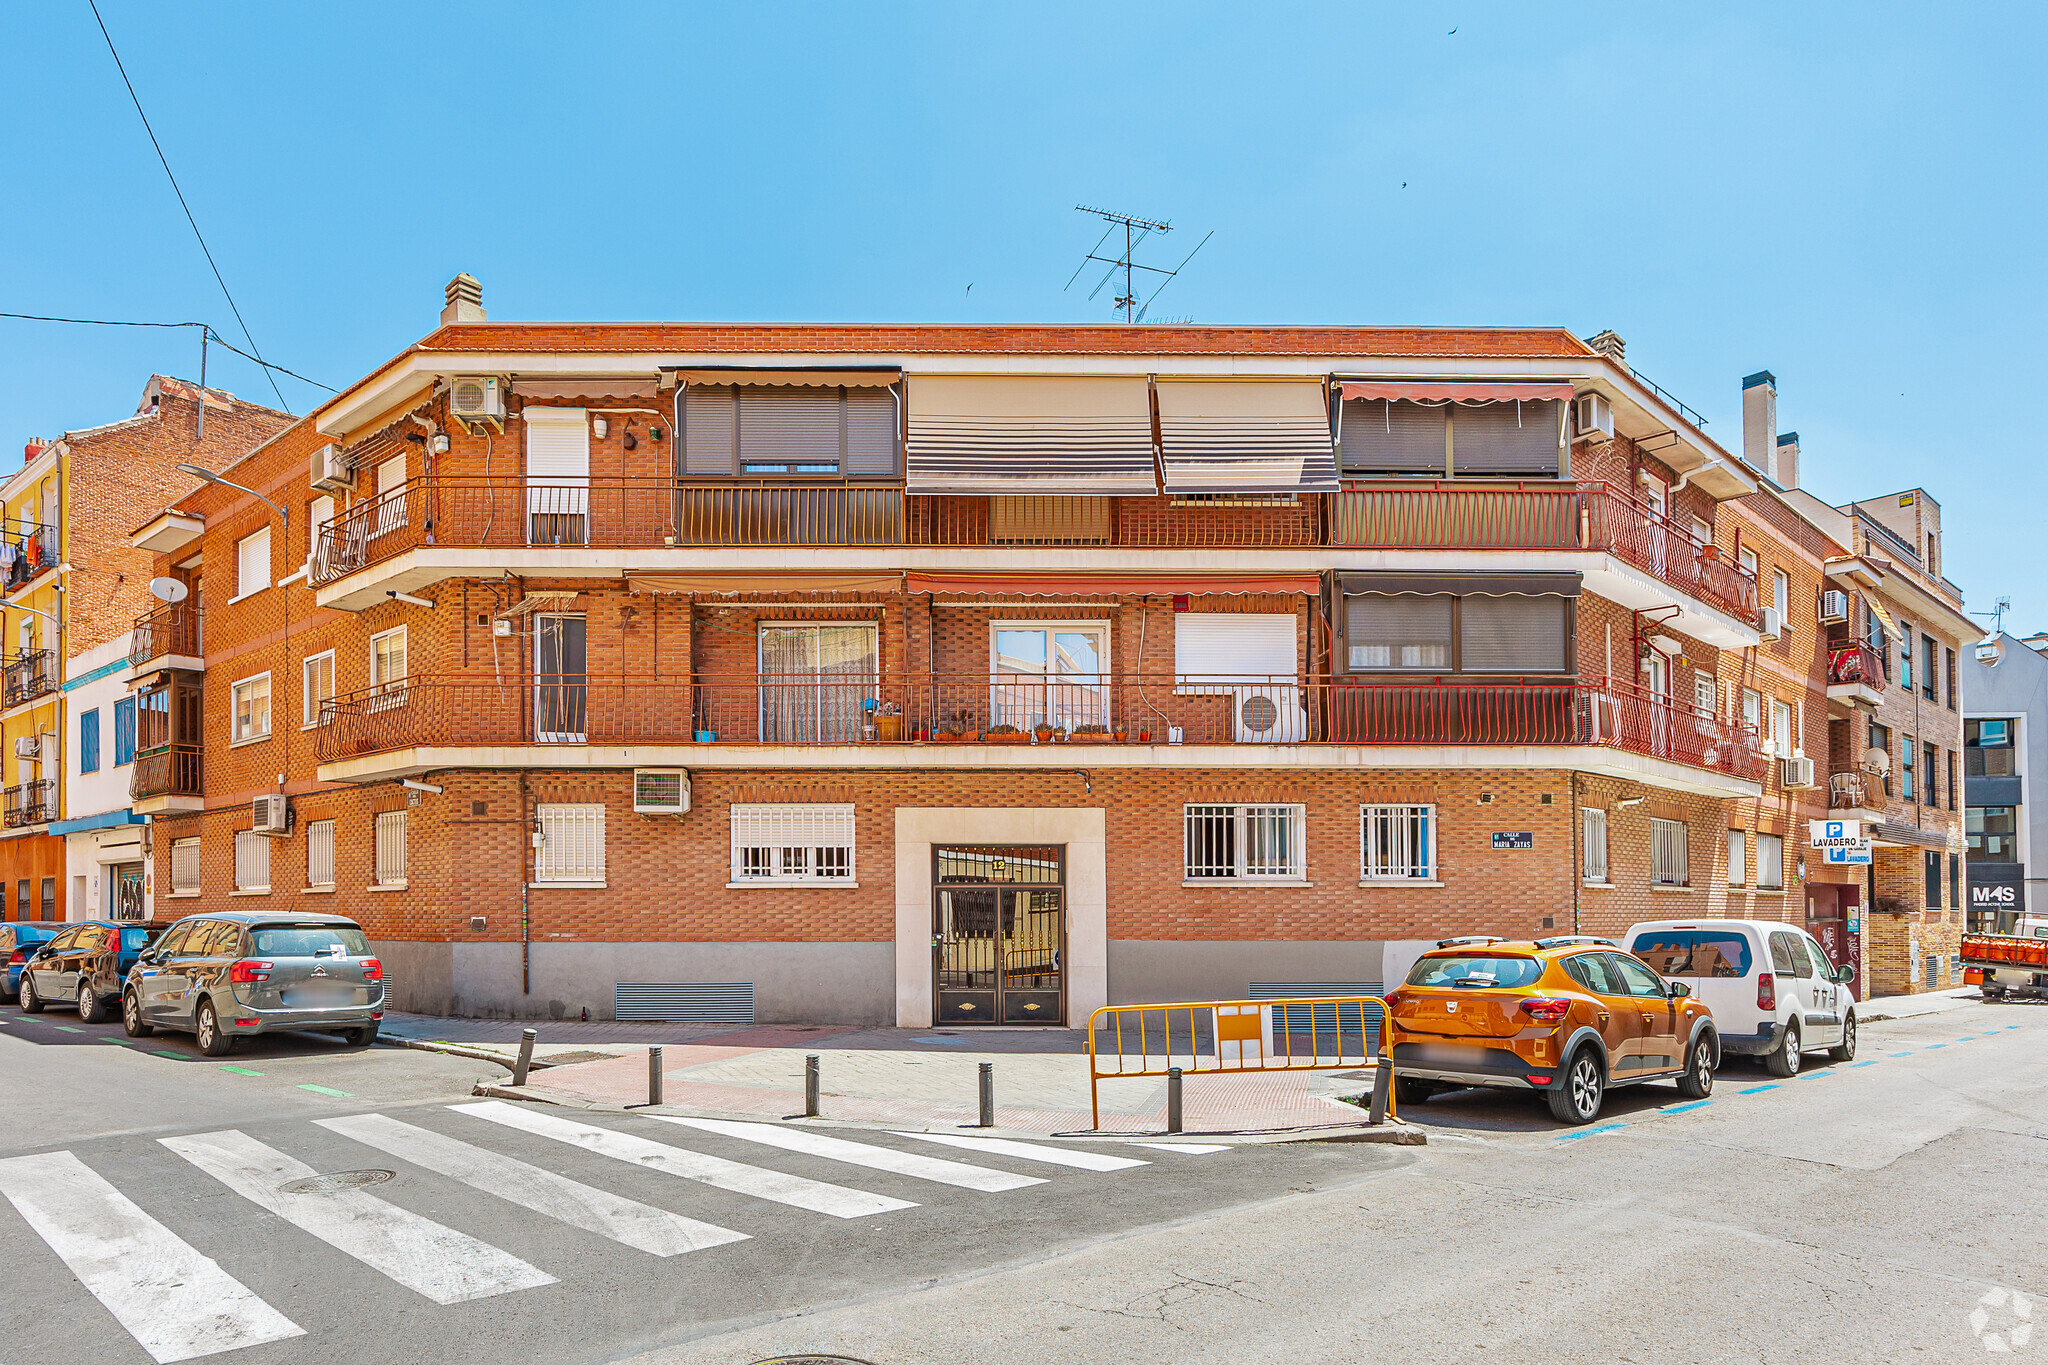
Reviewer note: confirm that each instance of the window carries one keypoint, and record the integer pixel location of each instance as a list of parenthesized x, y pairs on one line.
[(1930, 681), (1667, 853), (1752, 711), (49, 898), (1702, 531), (252, 708), (390, 513), (1593, 837), (1640, 980), (319, 512), (1407, 632), (388, 834), (387, 669), (1881, 740), (1990, 834), (1933, 867), (252, 861), (557, 476), (1442, 632), (316, 688), (1474, 970), (1695, 952), (1226, 843), (1052, 674), (1738, 857), (789, 429), (1595, 971), (252, 564), (89, 741), (124, 732), (320, 853), (1781, 729), (1931, 754), (1906, 655), (1781, 594), (1044, 520), (1703, 692), (816, 682), (1770, 862), (1951, 672), (1988, 749), (1951, 779), (1787, 957), (1955, 882), (792, 843), (1397, 843), (1214, 650), (572, 844), (1873, 626), (21, 901), (1747, 558), (1905, 767), (184, 867)]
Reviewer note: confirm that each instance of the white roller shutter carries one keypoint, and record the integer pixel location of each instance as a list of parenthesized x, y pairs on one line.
[(1212, 651), (557, 461)]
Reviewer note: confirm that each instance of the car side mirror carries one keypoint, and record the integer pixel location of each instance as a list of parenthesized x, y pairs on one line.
[(1845, 973), (1679, 990)]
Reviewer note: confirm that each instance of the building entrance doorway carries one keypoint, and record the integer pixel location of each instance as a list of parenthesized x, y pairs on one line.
[(999, 931)]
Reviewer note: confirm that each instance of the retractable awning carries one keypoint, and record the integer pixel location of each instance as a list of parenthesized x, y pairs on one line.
[(1245, 436), (1891, 627), (1107, 584), (764, 582), (1013, 435), (827, 379), (1463, 584), (1456, 390)]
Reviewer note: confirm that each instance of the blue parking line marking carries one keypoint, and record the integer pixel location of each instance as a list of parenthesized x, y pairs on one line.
[(1812, 1075), (1588, 1132), (1759, 1089), (1682, 1108), (1932, 1046), (1902, 1054), (1966, 1038), (1872, 1062)]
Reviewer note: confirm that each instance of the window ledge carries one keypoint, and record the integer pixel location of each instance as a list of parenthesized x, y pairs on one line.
[(1399, 881), (566, 886), (326, 889), (1666, 889), (385, 886), (253, 739), (251, 891), (181, 895), (1598, 886), (1770, 891), (243, 597), (763, 883), (1246, 881)]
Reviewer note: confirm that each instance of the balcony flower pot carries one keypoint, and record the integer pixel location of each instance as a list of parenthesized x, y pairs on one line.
[(1007, 734), (1042, 733), (707, 736), (1089, 734), (1144, 736), (1122, 735)]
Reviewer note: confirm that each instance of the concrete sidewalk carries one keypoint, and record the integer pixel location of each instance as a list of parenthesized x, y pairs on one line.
[(1913, 1006)]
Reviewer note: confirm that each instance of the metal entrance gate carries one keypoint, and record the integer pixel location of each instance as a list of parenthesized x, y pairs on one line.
[(999, 934)]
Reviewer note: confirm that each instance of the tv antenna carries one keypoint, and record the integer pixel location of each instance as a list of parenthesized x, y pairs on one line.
[(1136, 230), (1997, 614)]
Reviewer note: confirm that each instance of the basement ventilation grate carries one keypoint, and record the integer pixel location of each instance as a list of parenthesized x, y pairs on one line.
[(1325, 1018), (683, 1002)]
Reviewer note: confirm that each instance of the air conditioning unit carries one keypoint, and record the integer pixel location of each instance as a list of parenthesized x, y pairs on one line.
[(1798, 771), (1773, 626), (271, 815), (1592, 418), (661, 791), (332, 470), (28, 746), (477, 398), (1834, 607), (1268, 714)]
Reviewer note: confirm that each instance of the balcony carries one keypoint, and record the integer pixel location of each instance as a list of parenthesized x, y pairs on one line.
[(1856, 675), (28, 676), (28, 550), (1857, 792), (170, 771), (169, 632), (882, 720), (30, 803)]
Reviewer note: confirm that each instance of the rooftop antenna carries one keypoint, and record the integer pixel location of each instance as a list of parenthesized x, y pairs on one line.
[(1999, 607), (1136, 230)]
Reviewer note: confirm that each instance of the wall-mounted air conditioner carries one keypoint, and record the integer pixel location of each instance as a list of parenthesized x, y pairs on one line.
[(477, 398), (661, 791), (1267, 714), (1592, 418), (332, 470), (271, 815), (1773, 626), (28, 746), (1798, 771), (1834, 607)]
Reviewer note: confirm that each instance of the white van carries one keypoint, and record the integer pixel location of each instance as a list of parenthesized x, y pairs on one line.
[(1773, 991)]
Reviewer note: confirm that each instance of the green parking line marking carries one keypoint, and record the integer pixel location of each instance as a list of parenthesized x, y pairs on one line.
[(68, 1028), (124, 1042), (239, 1070), (175, 1056), (1759, 1089), (1682, 1108), (323, 1090)]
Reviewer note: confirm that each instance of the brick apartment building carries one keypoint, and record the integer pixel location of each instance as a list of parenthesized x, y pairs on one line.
[(952, 674)]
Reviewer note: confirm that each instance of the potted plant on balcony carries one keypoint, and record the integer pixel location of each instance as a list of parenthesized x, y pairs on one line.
[(1089, 734), (1006, 734), (958, 728), (1121, 734), (1144, 736), (1042, 732)]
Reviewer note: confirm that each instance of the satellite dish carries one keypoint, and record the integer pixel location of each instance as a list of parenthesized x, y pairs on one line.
[(169, 589)]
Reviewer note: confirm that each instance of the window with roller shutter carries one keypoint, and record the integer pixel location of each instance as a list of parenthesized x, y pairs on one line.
[(797, 430), (1215, 651), (1497, 631), (557, 476)]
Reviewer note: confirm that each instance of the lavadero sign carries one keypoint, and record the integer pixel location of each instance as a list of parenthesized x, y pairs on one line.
[(1998, 886)]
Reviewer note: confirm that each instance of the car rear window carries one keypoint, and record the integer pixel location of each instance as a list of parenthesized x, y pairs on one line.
[(1694, 952), (1475, 970), (310, 940), (135, 940)]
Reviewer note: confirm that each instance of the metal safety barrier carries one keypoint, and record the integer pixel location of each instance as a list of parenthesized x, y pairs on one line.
[(1234, 1037)]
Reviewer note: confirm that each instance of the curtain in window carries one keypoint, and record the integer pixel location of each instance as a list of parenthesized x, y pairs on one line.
[(817, 683)]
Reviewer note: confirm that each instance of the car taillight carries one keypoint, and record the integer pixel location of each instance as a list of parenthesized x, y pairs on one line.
[(1392, 1000), (373, 970), (1766, 991), (249, 969), (1545, 1010), (17, 957)]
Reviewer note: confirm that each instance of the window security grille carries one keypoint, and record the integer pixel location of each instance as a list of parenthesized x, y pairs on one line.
[(1232, 842), (184, 865), (792, 843), (1594, 836), (1397, 843), (320, 853), (1667, 852), (390, 850), (252, 861), (572, 844)]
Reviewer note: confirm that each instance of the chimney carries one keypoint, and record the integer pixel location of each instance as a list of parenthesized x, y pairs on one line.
[(36, 446), (1760, 423), (1788, 460), (465, 300), (1611, 345)]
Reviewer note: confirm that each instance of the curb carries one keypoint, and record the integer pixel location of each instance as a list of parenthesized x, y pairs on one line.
[(456, 1050)]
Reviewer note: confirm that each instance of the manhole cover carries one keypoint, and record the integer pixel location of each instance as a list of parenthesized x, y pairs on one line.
[(813, 1360), (571, 1058), (340, 1180)]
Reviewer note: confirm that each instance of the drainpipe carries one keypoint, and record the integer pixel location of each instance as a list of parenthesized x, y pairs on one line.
[(525, 889), (1578, 852)]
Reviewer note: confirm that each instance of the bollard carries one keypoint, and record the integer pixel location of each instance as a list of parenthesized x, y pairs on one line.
[(526, 1037), (1173, 1116), (810, 1087), (1382, 1087), (654, 1075), (988, 1094)]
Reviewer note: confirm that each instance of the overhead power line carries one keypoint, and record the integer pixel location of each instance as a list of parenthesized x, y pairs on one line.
[(176, 189), (212, 335)]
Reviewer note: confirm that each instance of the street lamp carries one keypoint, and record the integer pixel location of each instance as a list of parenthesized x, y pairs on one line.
[(209, 476), (284, 515)]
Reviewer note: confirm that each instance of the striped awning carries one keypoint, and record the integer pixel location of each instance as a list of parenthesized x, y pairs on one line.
[(1010, 435), (1245, 436)]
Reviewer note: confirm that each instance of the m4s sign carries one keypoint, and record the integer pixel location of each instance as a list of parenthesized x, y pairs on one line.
[(1994, 897)]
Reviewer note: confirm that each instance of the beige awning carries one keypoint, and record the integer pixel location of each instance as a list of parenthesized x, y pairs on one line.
[(1245, 436), (1016, 435), (641, 386), (827, 379), (765, 582), (1891, 627)]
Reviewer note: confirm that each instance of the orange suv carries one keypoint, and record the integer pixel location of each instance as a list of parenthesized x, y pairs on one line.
[(1571, 1017)]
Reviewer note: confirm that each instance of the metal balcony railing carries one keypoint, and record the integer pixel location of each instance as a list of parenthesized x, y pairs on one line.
[(170, 770), (857, 708), (28, 676), (1856, 663), (30, 803), (1848, 791), (170, 629), (26, 550)]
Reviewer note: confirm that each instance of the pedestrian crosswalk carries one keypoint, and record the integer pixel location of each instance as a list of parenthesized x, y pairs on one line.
[(179, 1303)]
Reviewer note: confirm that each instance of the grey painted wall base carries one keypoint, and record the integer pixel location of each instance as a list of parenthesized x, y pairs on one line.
[(1141, 971), (794, 983)]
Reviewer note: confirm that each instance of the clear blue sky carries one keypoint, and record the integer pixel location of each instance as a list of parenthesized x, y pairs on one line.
[(1849, 196)]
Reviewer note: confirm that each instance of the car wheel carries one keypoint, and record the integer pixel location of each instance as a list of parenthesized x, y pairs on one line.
[(31, 1003), (1845, 1051), (89, 1010), (211, 1040), (1579, 1088), (1412, 1090), (1698, 1081), (361, 1037), (131, 1016), (1784, 1061)]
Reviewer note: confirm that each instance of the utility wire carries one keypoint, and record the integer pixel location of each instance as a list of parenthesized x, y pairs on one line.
[(185, 206), (213, 336)]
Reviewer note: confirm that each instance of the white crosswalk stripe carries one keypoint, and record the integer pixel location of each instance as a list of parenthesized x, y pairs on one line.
[(175, 1302), (623, 1220), (1033, 1151), (737, 1177), (445, 1265), (888, 1159)]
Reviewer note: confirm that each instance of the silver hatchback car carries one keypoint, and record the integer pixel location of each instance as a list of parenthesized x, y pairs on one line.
[(224, 975)]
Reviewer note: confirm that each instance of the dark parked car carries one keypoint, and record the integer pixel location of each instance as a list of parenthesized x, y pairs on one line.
[(17, 941), (225, 975), (84, 965)]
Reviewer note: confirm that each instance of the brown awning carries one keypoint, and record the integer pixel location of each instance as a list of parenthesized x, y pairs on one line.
[(641, 386), (1108, 584), (827, 379), (1535, 584), (765, 582), (1456, 390)]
